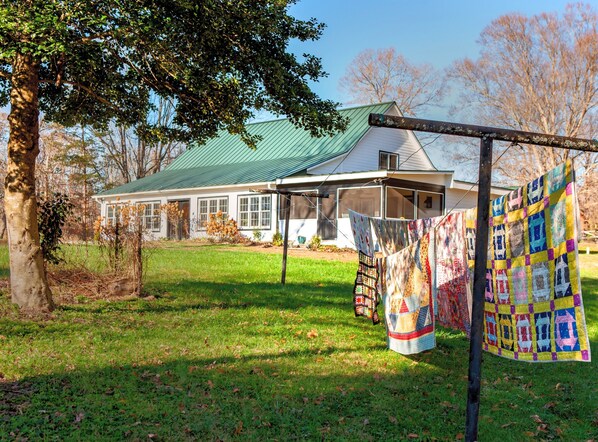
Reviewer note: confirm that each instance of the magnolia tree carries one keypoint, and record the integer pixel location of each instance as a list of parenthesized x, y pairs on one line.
[(97, 63)]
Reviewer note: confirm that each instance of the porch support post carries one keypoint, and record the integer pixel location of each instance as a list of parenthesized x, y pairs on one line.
[(479, 282), (287, 215)]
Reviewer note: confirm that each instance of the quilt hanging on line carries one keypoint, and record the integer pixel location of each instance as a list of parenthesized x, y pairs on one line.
[(408, 302), (365, 292), (453, 291), (533, 308), (392, 235), (362, 232)]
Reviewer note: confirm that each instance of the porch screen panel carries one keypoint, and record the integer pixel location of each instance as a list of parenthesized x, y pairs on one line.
[(303, 207), (400, 203), (429, 204), (365, 200)]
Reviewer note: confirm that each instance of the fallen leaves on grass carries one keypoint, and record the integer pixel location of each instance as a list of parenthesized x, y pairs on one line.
[(79, 417), (537, 419), (238, 428), (313, 333)]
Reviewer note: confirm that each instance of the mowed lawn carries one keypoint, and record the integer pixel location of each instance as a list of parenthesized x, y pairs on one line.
[(224, 352)]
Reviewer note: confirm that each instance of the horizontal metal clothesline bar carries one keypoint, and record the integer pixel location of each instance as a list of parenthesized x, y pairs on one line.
[(474, 131)]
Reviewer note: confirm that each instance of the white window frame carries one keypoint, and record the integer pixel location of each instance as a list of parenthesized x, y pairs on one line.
[(255, 215), (111, 220), (443, 202), (414, 214), (201, 220), (338, 199), (153, 220), (388, 157)]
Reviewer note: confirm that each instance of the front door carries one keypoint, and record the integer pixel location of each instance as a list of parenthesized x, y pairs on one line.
[(327, 217), (178, 225)]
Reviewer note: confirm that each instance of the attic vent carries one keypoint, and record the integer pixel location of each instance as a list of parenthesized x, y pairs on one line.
[(388, 161)]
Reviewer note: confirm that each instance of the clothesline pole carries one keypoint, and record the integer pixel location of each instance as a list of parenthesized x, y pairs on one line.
[(285, 195), (287, 213), (479, 284)]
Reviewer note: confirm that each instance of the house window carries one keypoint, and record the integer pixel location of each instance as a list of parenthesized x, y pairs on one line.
[(429, 204), (365, 200), (151, 215), (400, 203), (113, 214), (255, 211), (388, 161), (211, 206)]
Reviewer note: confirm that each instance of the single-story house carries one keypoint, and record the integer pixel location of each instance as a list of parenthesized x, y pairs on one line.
[(380, 172)]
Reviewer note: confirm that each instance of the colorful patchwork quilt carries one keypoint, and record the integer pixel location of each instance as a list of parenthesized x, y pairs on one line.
[(362, 232), (408, 303), (365, 292), (533, 307), (453, 291), (419, 227), (392, 234)]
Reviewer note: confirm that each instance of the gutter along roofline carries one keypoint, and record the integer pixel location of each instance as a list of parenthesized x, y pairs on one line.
[(166, 192)]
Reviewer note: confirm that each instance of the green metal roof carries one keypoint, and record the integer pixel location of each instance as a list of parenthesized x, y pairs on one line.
[(284, 150)]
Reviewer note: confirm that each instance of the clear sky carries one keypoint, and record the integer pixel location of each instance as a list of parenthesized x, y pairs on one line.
[(424, 31), (437, 32)]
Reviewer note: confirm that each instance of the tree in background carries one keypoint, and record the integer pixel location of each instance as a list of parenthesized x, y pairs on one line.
[(83, 163), (375, 76), (134, 152), (96, 63), (537, 74)]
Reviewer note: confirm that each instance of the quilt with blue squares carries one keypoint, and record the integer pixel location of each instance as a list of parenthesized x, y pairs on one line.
[(533, 307)]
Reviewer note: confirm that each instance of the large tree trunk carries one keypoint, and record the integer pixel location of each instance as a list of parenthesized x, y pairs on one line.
[(29, 286)]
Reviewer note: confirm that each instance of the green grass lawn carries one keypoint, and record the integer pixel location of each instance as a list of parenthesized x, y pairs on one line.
[(224, 352)]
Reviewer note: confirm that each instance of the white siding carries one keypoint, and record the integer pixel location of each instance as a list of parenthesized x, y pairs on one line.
[(459, 199), (453, 196), (364, 156), (193, 196)]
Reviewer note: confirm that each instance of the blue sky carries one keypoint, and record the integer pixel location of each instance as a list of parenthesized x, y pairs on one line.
[(424, 31), (437, 32)]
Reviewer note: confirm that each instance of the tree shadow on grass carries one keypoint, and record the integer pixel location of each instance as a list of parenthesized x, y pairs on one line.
[(198, 295), (304, 394)]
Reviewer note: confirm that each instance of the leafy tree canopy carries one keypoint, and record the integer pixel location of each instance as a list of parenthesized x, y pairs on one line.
[(217, 61)]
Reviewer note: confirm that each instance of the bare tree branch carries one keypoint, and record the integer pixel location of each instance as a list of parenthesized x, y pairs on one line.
[(384, 75)]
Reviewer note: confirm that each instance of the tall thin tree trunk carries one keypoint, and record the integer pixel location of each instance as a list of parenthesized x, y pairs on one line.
[(29, 286), (85, 179)]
